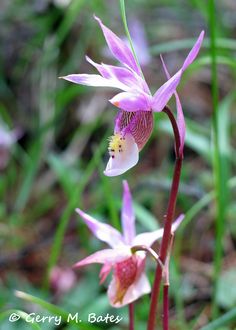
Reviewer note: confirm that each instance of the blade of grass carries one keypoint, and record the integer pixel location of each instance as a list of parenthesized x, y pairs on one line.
[(176, 45), (72, 204), (224, 320), (110, 202), (123, 15), (196, 138), (70, 16), (21, 314), (218, 156), (30, 170), (54, 310)]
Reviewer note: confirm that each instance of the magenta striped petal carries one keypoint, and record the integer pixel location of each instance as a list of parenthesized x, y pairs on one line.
[(139, 288), (132, 101), (139, 124), (127, 215), (118, 47), (102, 231)]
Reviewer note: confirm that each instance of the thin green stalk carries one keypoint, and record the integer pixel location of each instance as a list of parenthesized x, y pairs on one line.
[(14, 315), (55, 310), (111, 203), (221, 195), (73, 203), (176, 45), (123, 15), (222, 321)]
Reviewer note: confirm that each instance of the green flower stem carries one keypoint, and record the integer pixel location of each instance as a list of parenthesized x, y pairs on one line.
[(123, 15), (219, 171)]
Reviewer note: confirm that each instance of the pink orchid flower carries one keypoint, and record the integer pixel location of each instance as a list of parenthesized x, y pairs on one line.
[(134, 122), (129, 281)]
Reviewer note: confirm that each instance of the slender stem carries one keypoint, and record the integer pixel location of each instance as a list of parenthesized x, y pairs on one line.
[(166, 307), (149, 250), (123, 14), (131, 316), (218, 169), (168, 223), (166, 287), (175, 129)]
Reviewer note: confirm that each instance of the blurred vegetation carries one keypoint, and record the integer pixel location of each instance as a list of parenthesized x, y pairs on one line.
[(57, 163)]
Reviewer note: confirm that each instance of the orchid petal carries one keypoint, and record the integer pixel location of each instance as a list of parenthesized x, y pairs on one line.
[(118, 47), (194, 51), (121, 162), (164, 93), (180, 115), (104, 272), (132, 101), (106, 256), (149, 238), (93, 80), (123, 75), (127, 215), (139, 124), (140, 287), (102, 231)]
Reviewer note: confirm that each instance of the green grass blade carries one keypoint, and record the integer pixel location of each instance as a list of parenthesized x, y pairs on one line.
[(219, 159), (176, 45), (22, 315), (54, 310), (30, 171), (224, 320), (72, 204), (70, 16), (123, 15)]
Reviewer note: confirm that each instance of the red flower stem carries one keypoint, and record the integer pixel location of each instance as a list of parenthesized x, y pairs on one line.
[(166, 287), (168, 223), (166, 307), (131, 316)]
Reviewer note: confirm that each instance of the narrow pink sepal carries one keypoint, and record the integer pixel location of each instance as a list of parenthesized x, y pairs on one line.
[(106, 256), (194, 51), (127, 215), (118, 47), (149, 238), (102, 231), (93, 80), (128, 78), (180, 115), (164, 93)]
